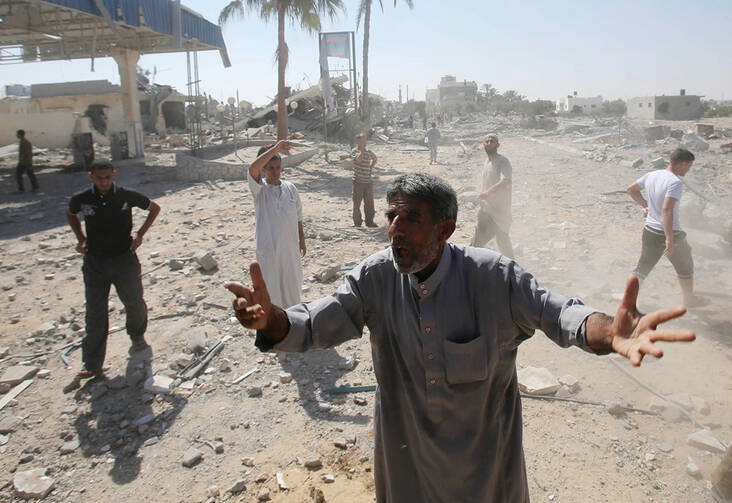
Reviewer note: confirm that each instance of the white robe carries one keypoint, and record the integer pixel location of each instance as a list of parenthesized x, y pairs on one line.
[(278, 210)]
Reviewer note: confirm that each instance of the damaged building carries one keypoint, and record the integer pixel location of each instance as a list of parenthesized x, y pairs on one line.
[(52, 111), (674, 108)]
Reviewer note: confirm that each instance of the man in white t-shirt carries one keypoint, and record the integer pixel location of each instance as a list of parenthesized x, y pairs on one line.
[(662, 234), (279, 233)]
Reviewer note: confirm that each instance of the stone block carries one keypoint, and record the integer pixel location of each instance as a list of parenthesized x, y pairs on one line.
[(17, 374)]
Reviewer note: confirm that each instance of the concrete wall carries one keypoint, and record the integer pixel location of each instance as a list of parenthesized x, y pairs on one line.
[(642, 107), (678, 108), (37, 129), (586, 105)]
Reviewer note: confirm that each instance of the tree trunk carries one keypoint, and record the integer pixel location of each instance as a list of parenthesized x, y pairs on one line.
[(281, 66), (365, 89)]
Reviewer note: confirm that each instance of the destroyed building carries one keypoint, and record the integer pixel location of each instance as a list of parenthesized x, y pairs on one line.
[(675, 108), (450, 90), (49, 115), (579, 104)]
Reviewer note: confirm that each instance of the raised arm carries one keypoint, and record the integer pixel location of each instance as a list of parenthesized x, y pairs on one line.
[(631, 333), (260, 162)]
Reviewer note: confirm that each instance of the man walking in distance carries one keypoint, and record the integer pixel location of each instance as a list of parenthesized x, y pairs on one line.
[(662, 234), (494, 215), (25, 162), (433, 136), (445, 322), (363, 186), (109, 259), (279, 233)]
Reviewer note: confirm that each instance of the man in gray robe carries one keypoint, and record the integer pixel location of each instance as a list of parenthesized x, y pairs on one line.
[(445, 323)]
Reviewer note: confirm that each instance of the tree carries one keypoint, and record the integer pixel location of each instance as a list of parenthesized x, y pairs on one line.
[(305, 13), (364, 12)]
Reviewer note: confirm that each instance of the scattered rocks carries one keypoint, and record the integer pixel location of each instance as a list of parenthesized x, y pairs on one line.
[(33, 484), (537, 381), (328, 274), (254, 392), (10, 424), (328, 478), (615, 408), (263, 494), (692, 469), (247, 461), (340, 443), (17, 374), (192, 457)]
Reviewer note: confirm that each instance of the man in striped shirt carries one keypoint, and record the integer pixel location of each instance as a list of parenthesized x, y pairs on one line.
[(363, 187)]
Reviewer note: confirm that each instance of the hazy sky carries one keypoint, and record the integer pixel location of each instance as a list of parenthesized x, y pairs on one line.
[(543, 49)]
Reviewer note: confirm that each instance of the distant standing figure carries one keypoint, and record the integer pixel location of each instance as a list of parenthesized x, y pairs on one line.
[(494, 216), (25, 162), (279, 232), (662, 234), (109, 259), (363, 187), (433, 136)]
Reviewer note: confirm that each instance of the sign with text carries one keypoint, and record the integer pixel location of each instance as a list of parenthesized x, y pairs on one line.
[(337, 45)]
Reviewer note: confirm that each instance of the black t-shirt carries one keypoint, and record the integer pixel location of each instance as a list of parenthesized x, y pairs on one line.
[(108, 218)]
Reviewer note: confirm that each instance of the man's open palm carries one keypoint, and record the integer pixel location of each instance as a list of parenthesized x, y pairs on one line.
[(252, 305), (634, 334)]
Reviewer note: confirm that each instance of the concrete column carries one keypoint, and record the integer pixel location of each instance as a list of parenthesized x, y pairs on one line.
[(127, 64)]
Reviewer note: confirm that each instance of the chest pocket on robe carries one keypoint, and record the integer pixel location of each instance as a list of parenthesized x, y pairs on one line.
[(287, 203), (467, 361)]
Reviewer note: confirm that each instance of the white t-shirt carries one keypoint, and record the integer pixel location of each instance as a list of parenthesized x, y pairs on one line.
[(659, 185)]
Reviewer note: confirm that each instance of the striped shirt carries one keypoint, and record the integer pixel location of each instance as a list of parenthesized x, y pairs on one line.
[(362, 169)]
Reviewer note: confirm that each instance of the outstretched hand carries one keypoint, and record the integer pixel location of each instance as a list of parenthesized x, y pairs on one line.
[(252, 306), (633, 334)]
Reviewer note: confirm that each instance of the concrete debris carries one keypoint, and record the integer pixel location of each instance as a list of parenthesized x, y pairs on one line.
[(247, 461), (349, 363), (191, 457), (263, 494), (281, 482), (537, 381), (313, 463), (635, 163), (10, 424), (33, 484), (694, 143), (692, 469), (69, 447), (285, 378), (17, 374), (254, 392), (205, 260), (571, 382), (328, 478), (658, 162), (340, 443), (703, 439), (615, 408), (664, 447), (238, 486), (316, 495), (704, 130), (196, 340), (158, 384), (175, 265), (328, 274)]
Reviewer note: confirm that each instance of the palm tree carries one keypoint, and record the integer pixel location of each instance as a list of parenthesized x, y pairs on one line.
[(305, 13), (364, 12)]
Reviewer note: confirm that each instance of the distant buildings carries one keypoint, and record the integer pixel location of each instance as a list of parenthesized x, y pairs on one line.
[(579, 105), (675, 108), (450, 90)]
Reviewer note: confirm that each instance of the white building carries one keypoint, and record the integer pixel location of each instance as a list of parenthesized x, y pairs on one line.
[(579, 105)]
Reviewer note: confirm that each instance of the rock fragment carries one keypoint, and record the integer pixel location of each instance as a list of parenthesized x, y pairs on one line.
[(158, 384), (17, 374), (703, 439), (33, 484), (537, 381), (191, 457), (238, 486), (205, 260)]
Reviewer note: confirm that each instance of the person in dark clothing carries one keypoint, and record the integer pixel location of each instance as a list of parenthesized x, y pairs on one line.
[(109, 259), (25, 162)]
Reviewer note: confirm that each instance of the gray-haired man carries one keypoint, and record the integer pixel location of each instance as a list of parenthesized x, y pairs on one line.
[(445, 323)]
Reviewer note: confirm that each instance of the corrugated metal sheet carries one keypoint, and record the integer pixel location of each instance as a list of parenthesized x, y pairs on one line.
[(157, 15)]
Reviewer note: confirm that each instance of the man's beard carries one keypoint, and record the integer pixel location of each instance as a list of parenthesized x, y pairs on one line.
[(422, 257), (491, 150)]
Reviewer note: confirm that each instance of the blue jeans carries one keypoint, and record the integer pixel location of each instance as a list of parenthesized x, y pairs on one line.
[(122, 271)]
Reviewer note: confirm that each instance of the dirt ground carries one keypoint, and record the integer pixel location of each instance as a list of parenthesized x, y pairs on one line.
[(574, 228)]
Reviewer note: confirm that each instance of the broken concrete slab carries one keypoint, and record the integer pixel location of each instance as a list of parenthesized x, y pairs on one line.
[(10, 424), (537, 381), (158, 384), (658, 162), (17, 374), (694, 142), (33, 484), (205, 260), (703, 439)]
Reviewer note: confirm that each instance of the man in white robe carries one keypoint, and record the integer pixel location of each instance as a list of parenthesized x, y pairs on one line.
[(279, 232)]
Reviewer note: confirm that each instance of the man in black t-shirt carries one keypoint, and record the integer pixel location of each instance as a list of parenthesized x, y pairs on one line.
[(109, 259)]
